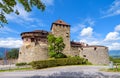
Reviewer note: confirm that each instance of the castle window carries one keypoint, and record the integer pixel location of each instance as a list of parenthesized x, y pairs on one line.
[(84, 55), (86, 59), (26, 39), (19, 52), (81, 48), (32, 39), (95, 48), (43, 34), (67, 34), (76, 55)]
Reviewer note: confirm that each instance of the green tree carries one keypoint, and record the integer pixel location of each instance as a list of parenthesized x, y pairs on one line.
[(8, 6), (12, 54), (56, 46)]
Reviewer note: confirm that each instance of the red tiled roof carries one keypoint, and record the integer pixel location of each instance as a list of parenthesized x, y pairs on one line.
[(77, 44), (60, 22), (36, 31)]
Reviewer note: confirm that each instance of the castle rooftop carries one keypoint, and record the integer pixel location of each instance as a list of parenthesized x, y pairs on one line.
[(36, 31), (75, 44), (60, 22)]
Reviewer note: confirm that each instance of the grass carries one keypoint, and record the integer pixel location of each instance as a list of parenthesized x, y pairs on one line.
[(112, 69), (17, 69)]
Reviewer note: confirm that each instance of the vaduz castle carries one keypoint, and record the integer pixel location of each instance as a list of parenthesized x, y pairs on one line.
[(35, 45)]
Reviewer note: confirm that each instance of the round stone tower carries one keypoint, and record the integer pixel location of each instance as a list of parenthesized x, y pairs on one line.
[(34, 46), (62, 29)]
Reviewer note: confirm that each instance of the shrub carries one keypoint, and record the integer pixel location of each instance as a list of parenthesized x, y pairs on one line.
[(59, 62), (21, 64)]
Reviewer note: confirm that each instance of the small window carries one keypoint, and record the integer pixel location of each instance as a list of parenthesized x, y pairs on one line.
[(81, 48), (95, 48), (76, 55), (84, 55), (67, 34), (20, 53), (86, 59)]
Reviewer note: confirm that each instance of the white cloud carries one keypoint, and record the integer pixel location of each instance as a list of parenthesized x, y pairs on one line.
[(77, 28), (113, 10), (10, 42), (48, 2), (114, 46), (25, 16), (117, 28), (112, 39), (6, 30), (112, 36), (87, 32), (88, 22)]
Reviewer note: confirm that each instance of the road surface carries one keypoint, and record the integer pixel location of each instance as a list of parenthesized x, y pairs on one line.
[(63, 72)]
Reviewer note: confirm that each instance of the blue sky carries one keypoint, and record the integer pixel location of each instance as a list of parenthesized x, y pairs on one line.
[(96, 22)]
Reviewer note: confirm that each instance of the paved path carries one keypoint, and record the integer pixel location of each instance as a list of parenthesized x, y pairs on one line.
[(63, 72)]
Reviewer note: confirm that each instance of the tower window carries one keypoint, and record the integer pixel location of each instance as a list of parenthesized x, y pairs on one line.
[(67, 34), (84, 55), (20, 53), (95, 48)]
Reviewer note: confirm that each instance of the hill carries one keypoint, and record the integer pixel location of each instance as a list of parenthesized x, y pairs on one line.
[(3, 50), (114, 53)]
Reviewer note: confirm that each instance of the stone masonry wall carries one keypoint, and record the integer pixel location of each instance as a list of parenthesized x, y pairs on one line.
[(32, 52), (74, 51), (64, 32), (95, 56)]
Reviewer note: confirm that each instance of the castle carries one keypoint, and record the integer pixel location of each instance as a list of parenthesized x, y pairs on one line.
[(35, 45)]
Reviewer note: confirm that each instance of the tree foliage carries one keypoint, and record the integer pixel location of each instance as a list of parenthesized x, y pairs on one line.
[(8, 6), (56, 46), (12, 54)]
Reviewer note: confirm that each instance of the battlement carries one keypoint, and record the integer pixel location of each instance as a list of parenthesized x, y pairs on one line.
[(34, 36)]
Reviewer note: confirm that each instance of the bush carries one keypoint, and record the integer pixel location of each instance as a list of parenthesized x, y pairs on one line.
[(21, 64), (59, 62), (57, 55)]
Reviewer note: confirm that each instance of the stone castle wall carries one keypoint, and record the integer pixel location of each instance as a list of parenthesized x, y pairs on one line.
[(74, 51), (33, 52), (96, 55), (63, 31), (35, 46)]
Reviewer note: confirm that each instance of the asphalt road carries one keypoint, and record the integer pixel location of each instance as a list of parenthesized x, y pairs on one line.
[(63, 72)]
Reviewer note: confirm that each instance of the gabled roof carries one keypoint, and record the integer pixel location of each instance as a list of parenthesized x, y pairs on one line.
[(60, 22)]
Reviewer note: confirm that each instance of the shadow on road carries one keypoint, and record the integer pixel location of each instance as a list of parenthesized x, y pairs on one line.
[(76, 75)]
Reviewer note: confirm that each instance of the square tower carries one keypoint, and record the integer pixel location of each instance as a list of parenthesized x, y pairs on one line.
[(62, 29)]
